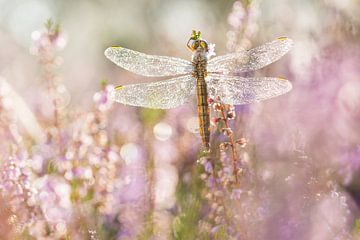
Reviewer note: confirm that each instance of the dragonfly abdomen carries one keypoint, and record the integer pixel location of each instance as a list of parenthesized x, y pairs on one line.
[(203, 112), (202, 97)]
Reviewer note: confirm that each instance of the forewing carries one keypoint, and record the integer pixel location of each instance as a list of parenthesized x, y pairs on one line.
[(147, 65), (162, 94), (239, 90), (250, 60)]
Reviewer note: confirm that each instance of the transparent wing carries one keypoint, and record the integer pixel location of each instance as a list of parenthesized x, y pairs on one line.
[(148, 65), (162, 94), (240, 90), (252, 59)]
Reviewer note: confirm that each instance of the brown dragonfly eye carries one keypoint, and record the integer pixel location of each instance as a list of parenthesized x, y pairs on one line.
[(193, 44), (204, 44)]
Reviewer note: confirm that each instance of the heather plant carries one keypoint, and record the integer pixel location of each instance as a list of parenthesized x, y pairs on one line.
[(71, 172), (243, 25)]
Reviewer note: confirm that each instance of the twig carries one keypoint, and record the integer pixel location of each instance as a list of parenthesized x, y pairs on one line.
[(232, 142)]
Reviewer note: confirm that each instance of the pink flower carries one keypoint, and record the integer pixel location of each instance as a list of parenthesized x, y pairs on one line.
[(211, 50), (102, 98)]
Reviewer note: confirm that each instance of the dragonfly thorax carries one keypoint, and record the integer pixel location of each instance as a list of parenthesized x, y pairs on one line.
[(199, 61), (200, 54)]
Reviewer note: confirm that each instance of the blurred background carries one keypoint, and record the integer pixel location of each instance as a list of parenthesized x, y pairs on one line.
[(77, 166)]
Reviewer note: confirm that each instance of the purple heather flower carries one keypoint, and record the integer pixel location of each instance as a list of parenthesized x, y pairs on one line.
[(54, 198), (211, 182), (208, 167), (102, 98), (236, 194), (237, 15)]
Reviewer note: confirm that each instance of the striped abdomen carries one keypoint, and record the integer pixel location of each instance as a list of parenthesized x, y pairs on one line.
[(202, 96)]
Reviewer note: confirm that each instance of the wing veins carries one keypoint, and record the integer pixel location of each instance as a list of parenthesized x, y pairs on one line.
[(240, 90), (148, 65), (160, 95), (250, 60)]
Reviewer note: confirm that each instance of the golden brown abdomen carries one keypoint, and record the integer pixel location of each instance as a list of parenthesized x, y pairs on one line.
[(203, 111)]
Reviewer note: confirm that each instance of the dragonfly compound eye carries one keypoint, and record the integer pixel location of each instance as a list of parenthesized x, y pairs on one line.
[(193, 44), (196, 41), (204, 44)]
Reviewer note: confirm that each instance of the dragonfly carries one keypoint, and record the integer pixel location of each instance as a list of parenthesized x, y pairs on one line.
[(217, 77)]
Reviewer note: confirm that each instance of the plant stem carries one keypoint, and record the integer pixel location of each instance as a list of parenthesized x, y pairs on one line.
[(232, 143)]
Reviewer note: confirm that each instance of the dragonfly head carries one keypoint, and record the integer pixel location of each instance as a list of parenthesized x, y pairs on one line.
[(197, 43)]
